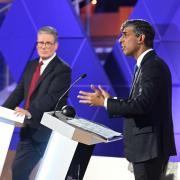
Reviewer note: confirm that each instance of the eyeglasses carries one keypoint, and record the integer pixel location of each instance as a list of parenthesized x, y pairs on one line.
[(46, 44)]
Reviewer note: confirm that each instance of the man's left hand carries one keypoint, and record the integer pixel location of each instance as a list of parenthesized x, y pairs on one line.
[(21, 112)]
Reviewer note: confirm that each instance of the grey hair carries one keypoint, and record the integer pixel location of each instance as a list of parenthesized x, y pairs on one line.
[(141, 27), (49, 30)]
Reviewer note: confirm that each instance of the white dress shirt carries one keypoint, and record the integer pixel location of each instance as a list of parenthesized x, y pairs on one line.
[(43, 67), (46, 62)]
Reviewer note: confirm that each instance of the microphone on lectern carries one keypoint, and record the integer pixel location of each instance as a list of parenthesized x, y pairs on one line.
[(78, 79)]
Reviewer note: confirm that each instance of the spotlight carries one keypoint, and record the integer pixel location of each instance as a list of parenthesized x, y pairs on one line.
[(94, 2)]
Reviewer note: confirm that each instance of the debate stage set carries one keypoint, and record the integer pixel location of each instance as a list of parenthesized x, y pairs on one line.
[(89, 146)]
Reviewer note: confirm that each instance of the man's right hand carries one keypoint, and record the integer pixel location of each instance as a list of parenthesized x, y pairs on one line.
[(103, 92), (95, 98)]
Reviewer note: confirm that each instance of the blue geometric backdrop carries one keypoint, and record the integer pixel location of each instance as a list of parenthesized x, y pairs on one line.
[(18, 41), (165, 18)]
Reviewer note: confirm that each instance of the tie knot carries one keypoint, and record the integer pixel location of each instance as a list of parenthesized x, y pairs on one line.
[(40, 63)]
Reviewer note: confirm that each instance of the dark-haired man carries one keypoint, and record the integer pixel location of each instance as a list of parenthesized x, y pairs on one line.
[(148, 125), (43, 81)]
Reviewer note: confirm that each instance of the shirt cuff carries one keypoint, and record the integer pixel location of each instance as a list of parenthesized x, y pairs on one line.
[(106, 100), (29, 116), (105, 103)]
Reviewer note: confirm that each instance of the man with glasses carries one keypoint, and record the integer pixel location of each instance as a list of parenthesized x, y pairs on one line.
[(43, 81), (148, 126)]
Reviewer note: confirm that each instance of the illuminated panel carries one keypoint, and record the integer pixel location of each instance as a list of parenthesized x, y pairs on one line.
[(18, 41)]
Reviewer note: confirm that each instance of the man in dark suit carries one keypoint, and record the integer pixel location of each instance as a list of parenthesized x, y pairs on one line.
[(43, 82), (148, 125)]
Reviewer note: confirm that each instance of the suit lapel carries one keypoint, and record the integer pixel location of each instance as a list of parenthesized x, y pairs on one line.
[(32, 69), (138, 74), (48, 70)]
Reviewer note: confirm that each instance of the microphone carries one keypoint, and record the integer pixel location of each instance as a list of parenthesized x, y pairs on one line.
[(78, 79), (68, 111)]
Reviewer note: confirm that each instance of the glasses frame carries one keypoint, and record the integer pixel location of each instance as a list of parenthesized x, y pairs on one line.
[(48, 45)]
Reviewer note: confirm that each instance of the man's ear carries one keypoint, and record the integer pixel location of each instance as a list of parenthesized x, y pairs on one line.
[(56, 46), (141, 39)]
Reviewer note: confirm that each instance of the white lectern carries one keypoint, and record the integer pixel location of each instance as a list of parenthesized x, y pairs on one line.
[(69, 148), (8, 118)]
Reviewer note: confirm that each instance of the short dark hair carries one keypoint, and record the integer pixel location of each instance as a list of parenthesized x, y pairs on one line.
[(141, 27), (49, 30)]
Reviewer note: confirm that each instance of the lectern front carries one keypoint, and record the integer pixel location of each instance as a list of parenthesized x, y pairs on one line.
[(8, 119), (69, 148)]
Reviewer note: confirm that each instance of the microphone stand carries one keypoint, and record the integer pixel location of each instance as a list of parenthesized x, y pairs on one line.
[(78, 79)]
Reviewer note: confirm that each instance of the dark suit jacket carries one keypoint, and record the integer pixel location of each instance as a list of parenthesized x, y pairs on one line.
[(52, 84), (148, 126)]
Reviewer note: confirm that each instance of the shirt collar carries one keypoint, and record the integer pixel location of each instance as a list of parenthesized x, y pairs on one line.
[(47, 61), (140, 58)]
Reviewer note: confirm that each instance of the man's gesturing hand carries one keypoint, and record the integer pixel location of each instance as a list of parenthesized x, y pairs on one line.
[(95, 98)]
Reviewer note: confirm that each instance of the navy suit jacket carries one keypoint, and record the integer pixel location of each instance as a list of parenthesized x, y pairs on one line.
[(52, 84), (148, 125)]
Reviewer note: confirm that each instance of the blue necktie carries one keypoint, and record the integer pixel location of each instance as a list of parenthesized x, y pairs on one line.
[(135, 69), (134, 76)]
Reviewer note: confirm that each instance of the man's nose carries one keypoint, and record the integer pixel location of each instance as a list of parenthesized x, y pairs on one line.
[(120, 40), (44, 46)]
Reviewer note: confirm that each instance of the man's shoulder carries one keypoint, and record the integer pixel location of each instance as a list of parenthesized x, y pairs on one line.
[(154, 59), (61, 63), (156, 63), (33, 61), (30, 64)]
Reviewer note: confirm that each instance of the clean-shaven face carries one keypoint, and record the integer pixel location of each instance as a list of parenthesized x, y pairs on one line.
[(46, 45), (129, 41)]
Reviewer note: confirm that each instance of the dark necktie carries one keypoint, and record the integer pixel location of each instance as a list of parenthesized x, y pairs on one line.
[(33, 84), (135, 69), (135, 72), (134, 77)]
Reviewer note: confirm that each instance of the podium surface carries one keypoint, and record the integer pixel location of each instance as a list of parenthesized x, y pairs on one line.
[(8, 118), (79, 129), (69, 149)]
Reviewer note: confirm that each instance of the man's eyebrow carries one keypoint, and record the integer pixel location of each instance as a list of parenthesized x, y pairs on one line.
[(124, 32)]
